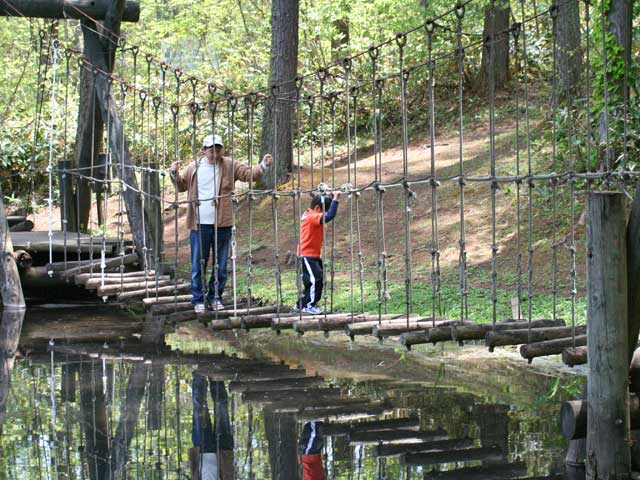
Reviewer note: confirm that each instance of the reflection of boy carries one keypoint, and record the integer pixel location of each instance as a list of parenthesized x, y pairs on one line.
[(211, 457), (312, 227), (311, 451)]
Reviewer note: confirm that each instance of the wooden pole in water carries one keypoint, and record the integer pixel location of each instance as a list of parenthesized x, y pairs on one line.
[(10, 286), (608, 431)]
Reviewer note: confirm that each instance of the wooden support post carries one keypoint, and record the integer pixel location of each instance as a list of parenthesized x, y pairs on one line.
[(10, 328), (152, 206), (608, 454), (67, 200), (10, 286), (573, 417), (99, 187), (62, 9), (101, 52)]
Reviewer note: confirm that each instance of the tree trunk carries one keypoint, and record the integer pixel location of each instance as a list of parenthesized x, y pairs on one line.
[(277, 137), (496, 20), (280, 430), (88, 143), (568, 42), (10, 286), (620, 16), (340, 40), (10, 328)]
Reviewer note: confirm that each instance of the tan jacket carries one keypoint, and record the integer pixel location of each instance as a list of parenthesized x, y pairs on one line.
[(230, 172)]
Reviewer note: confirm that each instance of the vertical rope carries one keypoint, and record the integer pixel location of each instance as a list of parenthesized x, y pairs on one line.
[(434, 247), (530, 185), (490, 45), (347, 65), (401, 41), (462, 261), (231, 106), (554, 153), (250, 103), (354, 94), (54, 104), (515, 31)]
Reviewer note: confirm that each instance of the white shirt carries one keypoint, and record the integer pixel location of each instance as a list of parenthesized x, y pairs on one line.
[(208, 184), (209, 466)]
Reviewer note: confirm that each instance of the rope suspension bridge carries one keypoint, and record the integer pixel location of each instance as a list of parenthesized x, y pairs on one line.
[(153, 112)]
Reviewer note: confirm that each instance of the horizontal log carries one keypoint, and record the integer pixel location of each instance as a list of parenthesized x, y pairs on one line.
[(574, 356), (364, 409), (310, 394), (168, 299), (167, 307), (479, 330), (390, 330), (15, 219), (83, 278), (499, 338), (129, 259), (389, 450), (419, 337), (484, 472), (23, 259), (396, 435), (118, 288), (94, 283), (343, 429), (25, 226), (331, 323), (492, 454), (152, 292), (573, 417), (274, 385), (221, 314), (550, 347), (63, 9)]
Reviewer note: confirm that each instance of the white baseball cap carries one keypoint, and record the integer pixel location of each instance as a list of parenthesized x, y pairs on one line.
[(211, 140)]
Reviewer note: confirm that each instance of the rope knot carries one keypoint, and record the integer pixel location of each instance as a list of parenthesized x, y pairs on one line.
[(461, 181), (157, 101), (164, 67), (401, 39), (149, 58), (379, 84), (194, 107), (174, 109), (178, 74), (122, 42), (460, 10), (554, 9), (374, 52), (143, 96), (347, 63), (298, 82), (430, 27), (515, 30)]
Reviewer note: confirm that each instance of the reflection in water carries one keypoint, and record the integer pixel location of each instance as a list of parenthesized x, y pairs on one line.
[(136, 408)]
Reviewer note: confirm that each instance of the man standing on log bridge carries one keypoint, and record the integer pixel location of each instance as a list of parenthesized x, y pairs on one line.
[(210, 183)]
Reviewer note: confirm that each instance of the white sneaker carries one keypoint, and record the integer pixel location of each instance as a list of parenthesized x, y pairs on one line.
[(217, 305), (312, 310), (295, 308), (199, 308)]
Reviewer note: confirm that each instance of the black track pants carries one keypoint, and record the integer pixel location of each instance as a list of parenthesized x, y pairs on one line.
[(312, 277)]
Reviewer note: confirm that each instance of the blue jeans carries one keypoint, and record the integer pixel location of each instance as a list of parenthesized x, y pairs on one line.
[(203, 433), (203, 240)]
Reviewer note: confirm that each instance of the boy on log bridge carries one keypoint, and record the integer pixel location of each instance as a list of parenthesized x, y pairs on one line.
[(322, 210), (210, 183)]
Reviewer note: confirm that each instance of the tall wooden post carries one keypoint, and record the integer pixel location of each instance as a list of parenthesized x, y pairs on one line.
[(10, 286), (608, 424)]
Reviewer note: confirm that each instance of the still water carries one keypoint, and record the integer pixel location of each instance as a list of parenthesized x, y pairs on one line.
[(97, 394)]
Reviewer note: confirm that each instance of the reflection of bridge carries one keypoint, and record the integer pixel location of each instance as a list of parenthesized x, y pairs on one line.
[(123, 406)]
